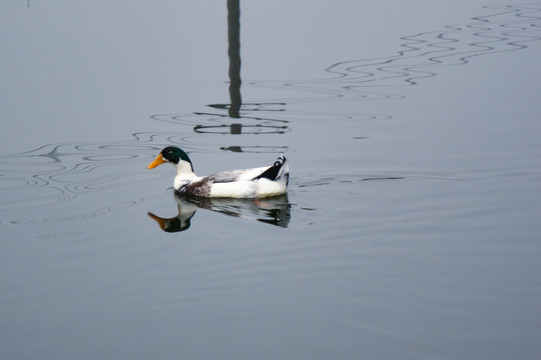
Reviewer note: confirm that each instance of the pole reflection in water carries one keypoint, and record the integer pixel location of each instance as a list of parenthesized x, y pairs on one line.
[(235, 117), (233, 36), (275, 211), (248, 124)]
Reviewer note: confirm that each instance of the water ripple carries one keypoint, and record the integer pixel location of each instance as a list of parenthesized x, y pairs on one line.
[(509, 28), (86, 214), (59, 173)]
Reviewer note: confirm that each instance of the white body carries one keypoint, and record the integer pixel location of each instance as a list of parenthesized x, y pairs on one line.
[(233, 184)]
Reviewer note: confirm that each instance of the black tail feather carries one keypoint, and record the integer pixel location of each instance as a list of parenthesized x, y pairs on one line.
[(272, 172)]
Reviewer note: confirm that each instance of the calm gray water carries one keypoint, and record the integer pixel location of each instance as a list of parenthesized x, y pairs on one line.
[(411, 228)]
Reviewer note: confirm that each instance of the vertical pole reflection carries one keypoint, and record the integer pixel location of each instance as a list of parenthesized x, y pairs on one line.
[(233, 27)]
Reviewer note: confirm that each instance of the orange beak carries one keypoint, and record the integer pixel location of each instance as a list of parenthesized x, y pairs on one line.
[(158, 161)]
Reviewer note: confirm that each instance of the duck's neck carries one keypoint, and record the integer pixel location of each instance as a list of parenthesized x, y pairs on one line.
[(184, 174)]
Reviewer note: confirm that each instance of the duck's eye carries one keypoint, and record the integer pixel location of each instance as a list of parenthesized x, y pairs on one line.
[(166, 153)]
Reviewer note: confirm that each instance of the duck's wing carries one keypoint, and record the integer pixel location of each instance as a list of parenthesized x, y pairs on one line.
[(273, 172), (237, 175)]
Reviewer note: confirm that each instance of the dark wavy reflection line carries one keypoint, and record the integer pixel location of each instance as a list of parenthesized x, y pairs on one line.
[(456, 45), (510, 28), (60, 173)]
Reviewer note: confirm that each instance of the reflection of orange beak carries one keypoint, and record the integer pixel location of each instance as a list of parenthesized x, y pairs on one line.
[(161, 221), (158, 161)]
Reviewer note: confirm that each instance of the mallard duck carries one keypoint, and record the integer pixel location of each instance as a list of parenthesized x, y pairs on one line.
[(246, 183)]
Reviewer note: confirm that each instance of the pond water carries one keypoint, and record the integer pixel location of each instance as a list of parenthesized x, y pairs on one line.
[(411, 226)]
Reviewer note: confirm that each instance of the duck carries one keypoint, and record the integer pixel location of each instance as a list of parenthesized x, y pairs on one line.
[(257, 182)]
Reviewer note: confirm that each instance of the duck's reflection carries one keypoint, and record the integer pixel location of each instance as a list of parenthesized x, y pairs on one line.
[(181, 222), (275, 211)]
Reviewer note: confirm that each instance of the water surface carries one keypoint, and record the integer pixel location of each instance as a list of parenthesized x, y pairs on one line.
[(410, 229)]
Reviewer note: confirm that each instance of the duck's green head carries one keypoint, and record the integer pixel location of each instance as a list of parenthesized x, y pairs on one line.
[(170, 154)]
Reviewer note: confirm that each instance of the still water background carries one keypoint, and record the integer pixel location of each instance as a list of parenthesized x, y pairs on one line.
[(411, 229)]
